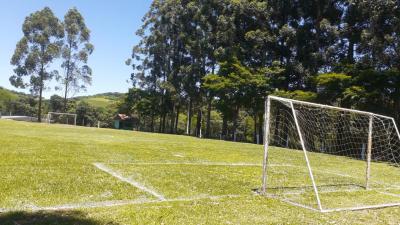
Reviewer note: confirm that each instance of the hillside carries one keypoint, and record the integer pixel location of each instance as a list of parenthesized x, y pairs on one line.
[(101, 176), (6, 95), (102, 100), (9, 95)]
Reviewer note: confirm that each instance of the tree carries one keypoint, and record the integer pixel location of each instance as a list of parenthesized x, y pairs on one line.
[(85, 114), (331, 86), (236, 85), (37, 49), (56, 103), (22, 106), (75, 52)]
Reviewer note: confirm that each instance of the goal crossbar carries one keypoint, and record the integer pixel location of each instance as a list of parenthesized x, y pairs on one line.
[(57, 113), (327, 106), (289, 104)]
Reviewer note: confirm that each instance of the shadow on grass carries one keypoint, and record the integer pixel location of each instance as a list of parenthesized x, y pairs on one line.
[(47, 218)]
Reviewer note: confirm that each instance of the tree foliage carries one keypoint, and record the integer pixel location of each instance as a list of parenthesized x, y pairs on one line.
[(36, 50), (227, 56), (75, 53)]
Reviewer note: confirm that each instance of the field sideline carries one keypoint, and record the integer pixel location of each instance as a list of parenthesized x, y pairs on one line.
[(56, 174)]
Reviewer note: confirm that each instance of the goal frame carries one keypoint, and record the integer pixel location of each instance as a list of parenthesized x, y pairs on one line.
[(58, 113), (266, 128)]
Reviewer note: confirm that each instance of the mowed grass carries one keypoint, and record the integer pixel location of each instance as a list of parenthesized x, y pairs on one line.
[(52, 165)]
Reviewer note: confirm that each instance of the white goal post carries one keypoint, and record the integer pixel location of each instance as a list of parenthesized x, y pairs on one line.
[(328, 158), (65, 118)]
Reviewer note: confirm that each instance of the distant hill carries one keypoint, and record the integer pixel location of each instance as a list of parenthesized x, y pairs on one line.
[(9, 95), (102, 100)]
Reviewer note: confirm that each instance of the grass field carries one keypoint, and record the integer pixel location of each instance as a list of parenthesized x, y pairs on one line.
[(55, 174)]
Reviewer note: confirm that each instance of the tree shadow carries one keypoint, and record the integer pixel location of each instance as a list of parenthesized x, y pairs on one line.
[(47, 218)]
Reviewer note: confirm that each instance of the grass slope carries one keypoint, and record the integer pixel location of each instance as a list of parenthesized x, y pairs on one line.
[(52, 165), (7, 95), (103, 100)]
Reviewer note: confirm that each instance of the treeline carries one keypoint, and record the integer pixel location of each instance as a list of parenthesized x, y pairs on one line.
[(213, 62)]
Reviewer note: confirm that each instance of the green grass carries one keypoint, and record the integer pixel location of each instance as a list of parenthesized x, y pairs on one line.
[(52, 165)]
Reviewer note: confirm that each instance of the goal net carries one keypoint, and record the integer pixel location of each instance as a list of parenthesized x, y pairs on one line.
[(328, 158), (61, 118)]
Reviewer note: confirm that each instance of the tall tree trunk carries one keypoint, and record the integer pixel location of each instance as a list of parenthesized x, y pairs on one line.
[(40, 93), (244, 138), (208, 122), (160, 127), (138, 124), (172, 120), (224, 127), (163, 122), (40, 105), (198, 123), (65, 96), (152, 123), (67, 77), (350, 52), (235, 123), (189, 117), (260, 128), (255, 137), (176, 119)]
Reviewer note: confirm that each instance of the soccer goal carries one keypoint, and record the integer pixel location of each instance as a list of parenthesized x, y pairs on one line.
[(62, 118), (327, 158)]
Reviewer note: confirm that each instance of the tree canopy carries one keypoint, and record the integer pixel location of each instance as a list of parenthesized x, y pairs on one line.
[(227, 56), (46, 39), (39, 46)]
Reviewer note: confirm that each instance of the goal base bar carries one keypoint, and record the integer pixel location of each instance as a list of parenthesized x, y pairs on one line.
[(380, 206), (361, 207)]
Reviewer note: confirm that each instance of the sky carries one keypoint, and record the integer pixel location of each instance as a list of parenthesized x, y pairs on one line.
[(112, 23)]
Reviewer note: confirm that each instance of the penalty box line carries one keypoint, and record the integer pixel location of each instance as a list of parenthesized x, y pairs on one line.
[(194, 163), (129, 181)]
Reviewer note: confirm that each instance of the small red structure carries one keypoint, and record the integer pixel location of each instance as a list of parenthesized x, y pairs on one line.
[(123, 122)]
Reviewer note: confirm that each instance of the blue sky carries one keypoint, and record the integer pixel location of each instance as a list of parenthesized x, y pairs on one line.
[(112, 24)]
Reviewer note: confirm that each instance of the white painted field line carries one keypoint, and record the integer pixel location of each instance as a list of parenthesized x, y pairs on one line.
[(388, 193), (346, 175), (299, 205), (203, 197), (197, 164), (361, 208), (128, 180)]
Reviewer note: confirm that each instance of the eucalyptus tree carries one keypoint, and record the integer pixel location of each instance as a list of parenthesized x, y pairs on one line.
[(75, 54), (156, 59), (40, 45)]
